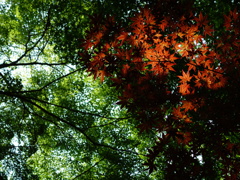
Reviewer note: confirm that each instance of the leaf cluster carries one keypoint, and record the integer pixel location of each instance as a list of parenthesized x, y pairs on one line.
[(180, 81)]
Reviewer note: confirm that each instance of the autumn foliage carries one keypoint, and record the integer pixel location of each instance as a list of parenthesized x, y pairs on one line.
[(181, 79)]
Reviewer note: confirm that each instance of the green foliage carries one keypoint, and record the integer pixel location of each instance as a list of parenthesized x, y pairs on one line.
[(56, 122)]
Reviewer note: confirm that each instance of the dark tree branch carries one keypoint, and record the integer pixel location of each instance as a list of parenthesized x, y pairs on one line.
[(27, 50), (48, 84), (15, 94), (74, 110), (107, 124), (31, 64), (67, 123), (84, 172), (78, 129)]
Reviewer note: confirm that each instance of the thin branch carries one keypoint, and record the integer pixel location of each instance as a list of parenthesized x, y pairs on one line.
[(47, 26), (84, 172), (206, 68), (31, 64), (79, 129), (75, 110), (107, 124), (11, 94), (48, 84), (68, 123)]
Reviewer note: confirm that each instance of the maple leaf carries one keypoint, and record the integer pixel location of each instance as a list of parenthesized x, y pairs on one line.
[(184, 89), (182, 48), (156, 38), (183, 18), (230, 146), (180, 114), (123, 101), (227, 22), (137, 21), (191, 65), (150, 20), (97, 37), (169, 66), (208, 64), (198, 81), (106, 47), (163, 24), (123, 37), (183, 137), (185, 77), (101, 74), (201, 20), (180, 34), (177, 113), (190, 33), (157, 69), (220, 83), (187, 105), (234, 14), (187, 119), (88, 44), (197, 38), (172, 58), (208, 30)]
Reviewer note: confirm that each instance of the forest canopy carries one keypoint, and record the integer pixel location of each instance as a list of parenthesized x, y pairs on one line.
[(119, 89)]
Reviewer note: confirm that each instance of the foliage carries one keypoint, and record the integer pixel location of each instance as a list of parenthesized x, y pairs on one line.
[(57, 123), (180, 81)]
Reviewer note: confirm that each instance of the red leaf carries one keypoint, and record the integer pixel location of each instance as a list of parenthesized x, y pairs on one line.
[(184, 89), (185, 77), (123, 37), (163, 24), (201, 20), (208, 30)]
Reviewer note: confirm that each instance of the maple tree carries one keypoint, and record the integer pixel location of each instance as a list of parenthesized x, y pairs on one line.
[(57, 123), (180, 81)]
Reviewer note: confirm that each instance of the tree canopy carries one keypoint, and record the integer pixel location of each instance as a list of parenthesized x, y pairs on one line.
[(161, 101)]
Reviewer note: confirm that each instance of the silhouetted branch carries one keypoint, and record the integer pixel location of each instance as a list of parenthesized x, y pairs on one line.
[(84, 172), (28, 100), (48, 84), (27, 50), (31, 64)]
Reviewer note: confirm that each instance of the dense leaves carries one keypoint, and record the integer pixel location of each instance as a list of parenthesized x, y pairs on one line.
[(56, 123), (180, 81), (174, 68)]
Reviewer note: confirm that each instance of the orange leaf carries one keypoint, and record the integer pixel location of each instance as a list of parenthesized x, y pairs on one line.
[(123, 37), (100, 73), (149, 17), (163, 24), (184, 88), (187, 105), (185, 77), (125, 69)]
